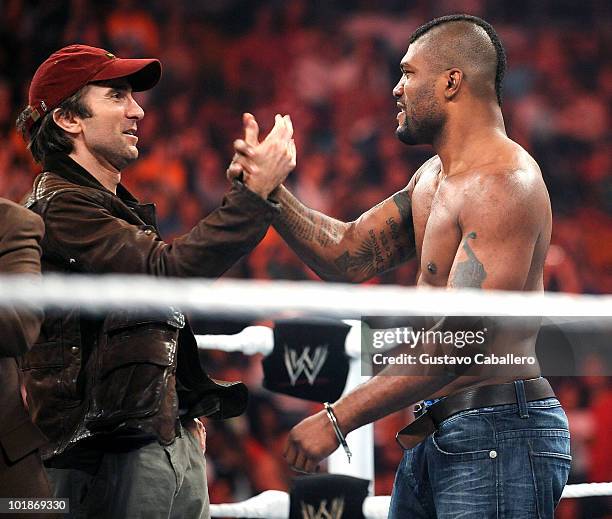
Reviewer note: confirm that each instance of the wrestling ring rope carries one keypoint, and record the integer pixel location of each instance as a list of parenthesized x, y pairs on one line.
[(244, 298), (267, 299)]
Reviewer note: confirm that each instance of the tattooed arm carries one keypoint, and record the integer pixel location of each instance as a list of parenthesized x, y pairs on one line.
[(379, 240), (500, 222)]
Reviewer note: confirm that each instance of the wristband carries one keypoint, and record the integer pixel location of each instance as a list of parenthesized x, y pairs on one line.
[(334, 421)]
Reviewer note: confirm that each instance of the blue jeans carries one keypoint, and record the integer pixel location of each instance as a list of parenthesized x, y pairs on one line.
[(508, 461)]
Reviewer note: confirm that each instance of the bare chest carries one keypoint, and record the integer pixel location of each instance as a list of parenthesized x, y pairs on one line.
[(435, 210)]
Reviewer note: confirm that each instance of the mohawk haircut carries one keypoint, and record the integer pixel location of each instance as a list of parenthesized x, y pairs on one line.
[(500, 69)]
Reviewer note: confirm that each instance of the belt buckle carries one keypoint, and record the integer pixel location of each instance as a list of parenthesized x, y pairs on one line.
[(419, 409)]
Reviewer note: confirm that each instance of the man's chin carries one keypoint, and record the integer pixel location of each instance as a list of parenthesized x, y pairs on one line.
[(404, 135), (123, 161), (131, 155)]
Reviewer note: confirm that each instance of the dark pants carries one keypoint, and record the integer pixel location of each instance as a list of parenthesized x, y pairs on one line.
[(152, 482), (508, 461)]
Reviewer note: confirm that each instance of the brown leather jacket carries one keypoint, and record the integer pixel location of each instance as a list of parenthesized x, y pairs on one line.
[(20, 235), (127, 374)]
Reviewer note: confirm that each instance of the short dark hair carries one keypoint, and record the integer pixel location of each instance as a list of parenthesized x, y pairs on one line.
[(46, 137), (496, 42)]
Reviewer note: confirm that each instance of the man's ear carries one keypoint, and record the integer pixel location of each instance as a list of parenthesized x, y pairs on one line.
[(67, 121), (454, 79)]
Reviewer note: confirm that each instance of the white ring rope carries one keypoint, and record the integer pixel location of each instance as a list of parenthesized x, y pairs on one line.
[(306, 298), (274, 504), (587, 490)]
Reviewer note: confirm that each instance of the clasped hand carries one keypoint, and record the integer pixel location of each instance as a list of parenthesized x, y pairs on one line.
[(264, 165)]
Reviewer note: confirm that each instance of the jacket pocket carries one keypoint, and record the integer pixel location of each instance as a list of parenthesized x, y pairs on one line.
[(51, 373), (132, 372)]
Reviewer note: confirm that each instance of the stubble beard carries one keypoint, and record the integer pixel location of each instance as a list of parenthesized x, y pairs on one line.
[(118, 156), (423, 122)]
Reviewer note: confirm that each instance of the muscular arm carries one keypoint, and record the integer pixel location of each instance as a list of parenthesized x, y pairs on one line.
[(379, 240), (499, 228)]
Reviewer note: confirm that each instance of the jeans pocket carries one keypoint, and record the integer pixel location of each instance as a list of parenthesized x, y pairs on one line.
[(550, 470), (466, 437), (458, 454)]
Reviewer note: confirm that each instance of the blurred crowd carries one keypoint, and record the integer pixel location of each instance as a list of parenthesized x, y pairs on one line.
[(332, 66)]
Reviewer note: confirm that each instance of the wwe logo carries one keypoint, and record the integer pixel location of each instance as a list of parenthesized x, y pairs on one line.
[(306, 364), (335, 512)]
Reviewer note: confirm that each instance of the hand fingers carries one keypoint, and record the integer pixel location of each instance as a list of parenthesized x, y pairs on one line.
[(300, 462), (311, 466), (243, 148), (279, 129), (233, 171), (202, 434), (305, 465), (292, 152), (289, 124), (251, 129), (245, 164), (286, 128)]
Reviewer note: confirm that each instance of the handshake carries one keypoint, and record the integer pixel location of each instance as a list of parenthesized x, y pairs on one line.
[(263, 165)]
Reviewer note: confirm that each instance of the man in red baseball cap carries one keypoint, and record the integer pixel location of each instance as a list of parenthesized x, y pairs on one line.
[(117, 394), (57, 86)]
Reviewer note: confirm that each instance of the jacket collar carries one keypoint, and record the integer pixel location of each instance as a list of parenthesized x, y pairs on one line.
[(64, 166)]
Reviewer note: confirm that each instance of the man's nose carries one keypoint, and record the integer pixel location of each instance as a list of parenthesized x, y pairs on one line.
[(398, 89), (134, 110)]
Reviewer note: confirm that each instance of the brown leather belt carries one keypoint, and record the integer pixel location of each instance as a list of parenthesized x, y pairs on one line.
[(474, 398)]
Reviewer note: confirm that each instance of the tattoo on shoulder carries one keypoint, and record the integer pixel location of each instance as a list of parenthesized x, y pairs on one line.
[(402, 201), (470, 273), (406, 225)]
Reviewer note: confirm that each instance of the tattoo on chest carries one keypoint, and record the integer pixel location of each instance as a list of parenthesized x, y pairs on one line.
[(470, 273)]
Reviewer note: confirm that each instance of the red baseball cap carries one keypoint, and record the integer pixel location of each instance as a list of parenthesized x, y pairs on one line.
[(69, 69)]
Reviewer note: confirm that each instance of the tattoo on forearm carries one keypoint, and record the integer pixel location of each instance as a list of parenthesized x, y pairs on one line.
[(368, 259), (327, 233), (309, 226), (300, 222), (470, 273)]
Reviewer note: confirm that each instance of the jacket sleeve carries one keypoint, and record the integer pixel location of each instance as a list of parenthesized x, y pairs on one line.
[(20, 234), (81, 231)]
